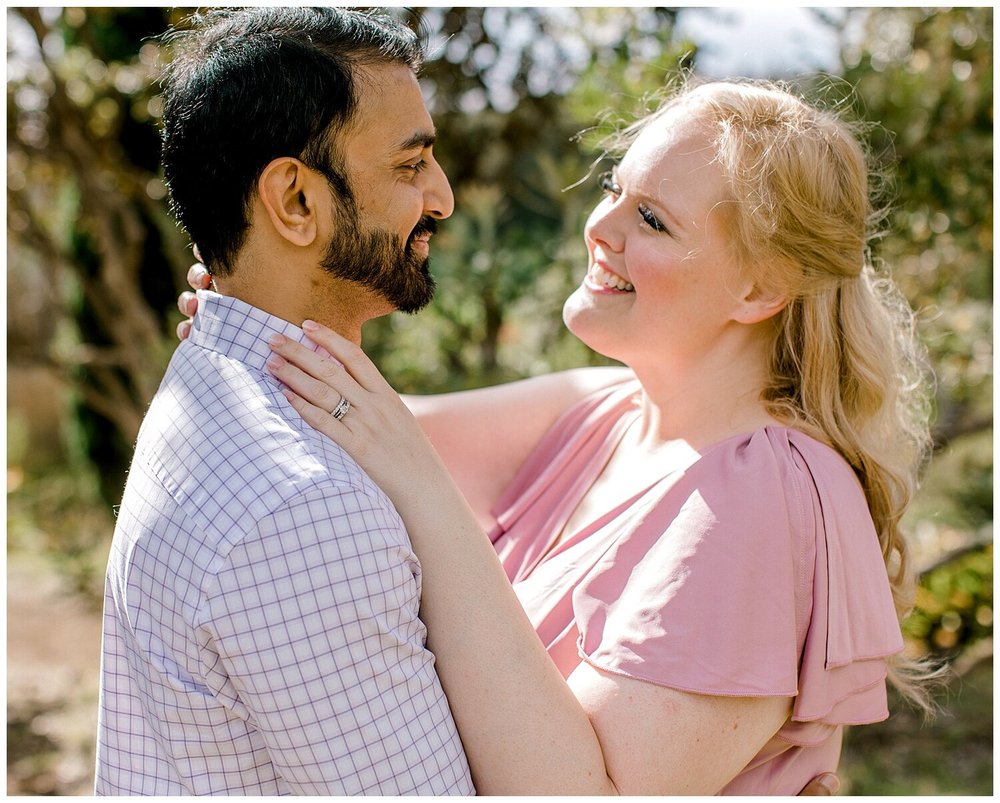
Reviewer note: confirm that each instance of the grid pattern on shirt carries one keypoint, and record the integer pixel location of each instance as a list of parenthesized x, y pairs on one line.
[(260, 630)]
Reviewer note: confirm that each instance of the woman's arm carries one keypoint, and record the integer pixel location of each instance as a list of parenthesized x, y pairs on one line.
[(484, 436), (525, 729), (660, 741)]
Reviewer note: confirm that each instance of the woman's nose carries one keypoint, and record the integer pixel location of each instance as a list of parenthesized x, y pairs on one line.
[(603, 226)]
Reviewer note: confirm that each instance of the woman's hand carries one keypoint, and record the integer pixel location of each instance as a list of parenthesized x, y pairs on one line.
[(352, 404), (198, 278)]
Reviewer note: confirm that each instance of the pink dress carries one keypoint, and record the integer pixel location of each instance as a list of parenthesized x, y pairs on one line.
[(753, 571)]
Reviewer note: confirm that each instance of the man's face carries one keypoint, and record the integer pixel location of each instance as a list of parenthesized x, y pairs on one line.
[(381, 260), (381, 239)]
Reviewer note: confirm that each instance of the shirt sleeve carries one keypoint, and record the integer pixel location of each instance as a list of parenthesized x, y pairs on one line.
[(738, 583), (311, 634)]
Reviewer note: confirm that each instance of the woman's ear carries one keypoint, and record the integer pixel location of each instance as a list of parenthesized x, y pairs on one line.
[(758, 305), (288, 191)]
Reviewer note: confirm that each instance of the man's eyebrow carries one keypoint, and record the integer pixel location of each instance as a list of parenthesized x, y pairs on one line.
[(422, 139)]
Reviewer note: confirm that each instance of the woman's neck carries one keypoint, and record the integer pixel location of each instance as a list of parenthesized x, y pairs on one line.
[(717, 399)]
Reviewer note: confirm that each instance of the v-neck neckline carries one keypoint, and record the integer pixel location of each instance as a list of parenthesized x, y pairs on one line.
[(563, 478), (597, 464), (556, 544)]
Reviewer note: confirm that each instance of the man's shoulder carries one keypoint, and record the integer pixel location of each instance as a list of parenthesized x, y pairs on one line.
[(229, 449)]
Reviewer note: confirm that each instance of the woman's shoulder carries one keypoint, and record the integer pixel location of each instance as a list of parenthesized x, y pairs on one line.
[(853, 624), (778, 442), (780, 491), (806, 610), (776, 459), (735, 520)]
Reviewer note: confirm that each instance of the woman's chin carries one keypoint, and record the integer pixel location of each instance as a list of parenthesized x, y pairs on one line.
[(585, 322), (574, 309)]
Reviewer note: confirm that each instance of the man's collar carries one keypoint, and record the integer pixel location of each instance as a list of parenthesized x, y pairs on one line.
[(240, 331)]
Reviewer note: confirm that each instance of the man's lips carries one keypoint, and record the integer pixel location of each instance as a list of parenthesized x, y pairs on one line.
[(421, 244), (421, 236)]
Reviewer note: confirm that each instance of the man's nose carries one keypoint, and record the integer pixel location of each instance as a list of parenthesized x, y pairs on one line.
[(439, 201)]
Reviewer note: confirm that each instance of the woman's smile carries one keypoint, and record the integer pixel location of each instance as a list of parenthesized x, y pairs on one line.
[(603, 280)]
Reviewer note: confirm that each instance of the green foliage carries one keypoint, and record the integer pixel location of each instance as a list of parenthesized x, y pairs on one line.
[(950, 525), (950, 755), (60, 517), (955, 604), (927, 78), (87, 218), (957, 488)]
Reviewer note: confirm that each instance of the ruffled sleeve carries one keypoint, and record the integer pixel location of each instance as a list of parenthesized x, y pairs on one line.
[(756, 573), (854, 626), (577, 439)]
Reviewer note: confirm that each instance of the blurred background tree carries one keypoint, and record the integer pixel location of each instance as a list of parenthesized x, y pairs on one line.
[(88, 232), (927, 78), (520, 97)]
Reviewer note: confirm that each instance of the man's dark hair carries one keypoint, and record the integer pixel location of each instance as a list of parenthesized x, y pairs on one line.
[(247, 86)]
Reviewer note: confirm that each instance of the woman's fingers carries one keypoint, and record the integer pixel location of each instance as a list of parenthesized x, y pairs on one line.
[(349, 353), (187, 303), (318, 381), (198, 277), (308, 360), (349, 403), (321, 394), (318, 418)]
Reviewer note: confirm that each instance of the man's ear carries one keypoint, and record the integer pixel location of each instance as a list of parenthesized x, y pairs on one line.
[(758, 305), (289, 192)]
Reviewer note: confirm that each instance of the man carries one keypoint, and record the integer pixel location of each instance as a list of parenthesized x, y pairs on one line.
[(260, 631)]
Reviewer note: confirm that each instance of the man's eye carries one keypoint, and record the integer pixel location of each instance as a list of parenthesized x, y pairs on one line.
[(417, 167)]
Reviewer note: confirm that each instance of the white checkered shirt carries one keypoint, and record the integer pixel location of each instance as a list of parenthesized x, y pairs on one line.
[(260, 628)]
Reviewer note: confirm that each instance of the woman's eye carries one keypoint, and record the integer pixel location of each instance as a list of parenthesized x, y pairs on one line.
[(607, 183), (650, 219)]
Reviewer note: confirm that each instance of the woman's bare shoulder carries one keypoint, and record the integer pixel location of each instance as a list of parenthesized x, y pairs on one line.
[(484, 435)]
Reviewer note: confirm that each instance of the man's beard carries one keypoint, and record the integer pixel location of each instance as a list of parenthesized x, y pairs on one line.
[(380, 261)]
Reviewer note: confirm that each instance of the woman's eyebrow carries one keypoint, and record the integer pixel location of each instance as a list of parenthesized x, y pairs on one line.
[(649, 199)]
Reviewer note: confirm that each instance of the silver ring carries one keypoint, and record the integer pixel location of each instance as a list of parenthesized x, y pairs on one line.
[(343, 408)]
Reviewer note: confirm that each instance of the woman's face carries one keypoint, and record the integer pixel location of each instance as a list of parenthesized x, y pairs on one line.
[(662, 280)]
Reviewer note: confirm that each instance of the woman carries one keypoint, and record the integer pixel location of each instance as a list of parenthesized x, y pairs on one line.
[(699, 557)]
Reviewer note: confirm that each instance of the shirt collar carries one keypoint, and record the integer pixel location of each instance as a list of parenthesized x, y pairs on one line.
[(240, 331)]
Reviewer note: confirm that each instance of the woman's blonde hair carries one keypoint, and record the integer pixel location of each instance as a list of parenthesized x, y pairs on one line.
[(846, 366)]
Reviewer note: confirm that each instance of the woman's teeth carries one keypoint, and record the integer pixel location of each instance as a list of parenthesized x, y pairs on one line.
[(601, 276)]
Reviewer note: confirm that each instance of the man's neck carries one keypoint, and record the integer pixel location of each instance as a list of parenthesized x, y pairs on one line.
[(285, 300)]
